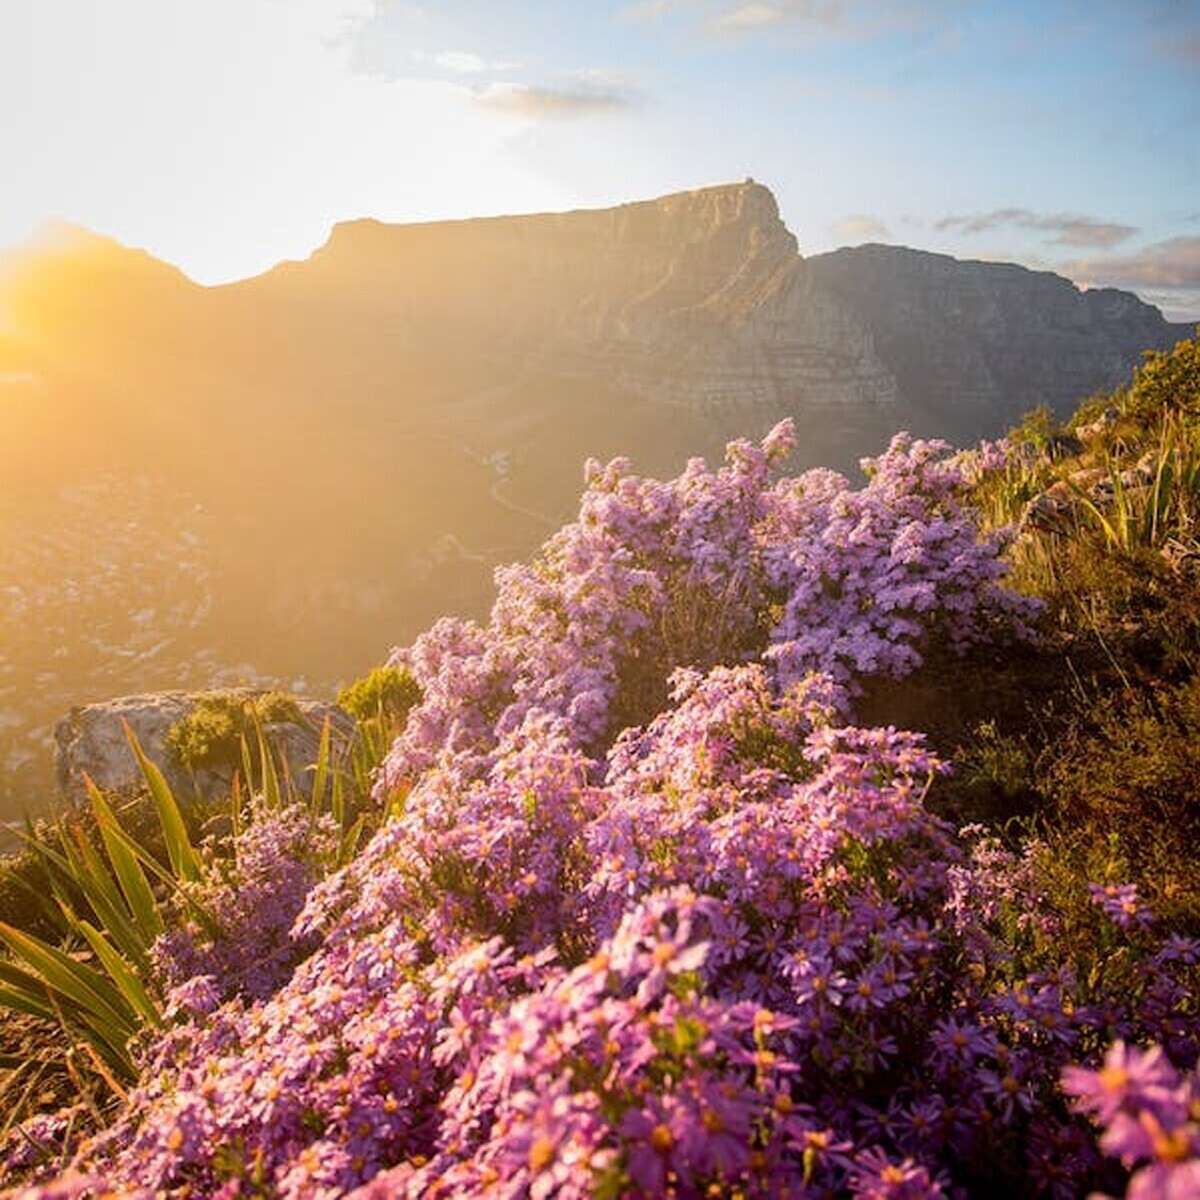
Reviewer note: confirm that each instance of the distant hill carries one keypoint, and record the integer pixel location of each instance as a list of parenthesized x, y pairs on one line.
[(285, 475)]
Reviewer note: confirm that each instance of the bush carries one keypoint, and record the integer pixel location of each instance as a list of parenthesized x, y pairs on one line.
[(654, 913), (1167, 381), (211, 735), (386, 692)]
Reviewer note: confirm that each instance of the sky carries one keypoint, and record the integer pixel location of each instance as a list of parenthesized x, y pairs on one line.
[(226, 135)]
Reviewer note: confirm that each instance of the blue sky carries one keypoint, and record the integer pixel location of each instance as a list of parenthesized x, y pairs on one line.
[(224, 135)]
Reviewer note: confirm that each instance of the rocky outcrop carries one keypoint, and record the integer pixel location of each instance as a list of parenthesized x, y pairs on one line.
[(92, 741)]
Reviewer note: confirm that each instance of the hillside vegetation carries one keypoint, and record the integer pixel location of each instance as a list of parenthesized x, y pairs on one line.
[(773, 837)]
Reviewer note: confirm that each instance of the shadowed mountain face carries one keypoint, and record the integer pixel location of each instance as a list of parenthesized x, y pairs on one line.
[(286, 475)]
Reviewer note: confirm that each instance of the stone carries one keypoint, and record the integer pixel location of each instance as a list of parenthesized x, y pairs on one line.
[(92, 741)]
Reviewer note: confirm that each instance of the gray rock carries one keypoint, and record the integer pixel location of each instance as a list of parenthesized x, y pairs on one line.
[(92, 741)]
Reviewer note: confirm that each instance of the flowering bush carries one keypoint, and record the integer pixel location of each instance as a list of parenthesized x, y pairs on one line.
[(652, 915), (1151, 1118), (251, 900), (714, 567)]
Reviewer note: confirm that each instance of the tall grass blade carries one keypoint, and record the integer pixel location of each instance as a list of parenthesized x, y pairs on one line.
[(43, 903), (184, 860), (321, 771), (130, 876), (122, 974), (270, 779), (78, 982), (235, 805)]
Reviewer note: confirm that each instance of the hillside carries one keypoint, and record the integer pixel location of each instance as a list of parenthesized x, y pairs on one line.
[(344, 448), (774, 835)]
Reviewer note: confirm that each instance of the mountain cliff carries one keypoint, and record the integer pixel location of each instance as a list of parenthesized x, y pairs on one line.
[(979, 340), (338, 451), (696, 299)]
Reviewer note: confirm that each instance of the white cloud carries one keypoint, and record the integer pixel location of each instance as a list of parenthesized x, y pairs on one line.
[(535, 103), (861, 228), (465, 63), (461, 61), (748, 16), (227, 134)]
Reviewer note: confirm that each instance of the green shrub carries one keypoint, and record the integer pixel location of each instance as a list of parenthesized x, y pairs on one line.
[(388, 692), (1132, 762), (211, 735), (1167, 381)]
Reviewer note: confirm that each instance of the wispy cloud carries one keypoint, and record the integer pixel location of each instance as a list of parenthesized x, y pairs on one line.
[(837, 18), (1068, 229), (579, 99), (861, 228), (1174, 263), (463, 62), (647, 10), (747, 17)]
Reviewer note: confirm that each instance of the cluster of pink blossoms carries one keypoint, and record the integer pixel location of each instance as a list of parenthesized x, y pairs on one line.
[(1151, 1117), (654, 917), (715, 567)]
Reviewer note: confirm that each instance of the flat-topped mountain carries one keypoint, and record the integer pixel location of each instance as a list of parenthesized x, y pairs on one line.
[(698, 299), (341, 449)]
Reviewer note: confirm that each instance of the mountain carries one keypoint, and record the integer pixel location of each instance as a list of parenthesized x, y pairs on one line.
[(974, 341), (285, 475)]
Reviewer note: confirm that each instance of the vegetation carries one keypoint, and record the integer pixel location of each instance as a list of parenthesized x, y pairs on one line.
[(1115, 555), (212, 734), (384, 692), (655, 895)]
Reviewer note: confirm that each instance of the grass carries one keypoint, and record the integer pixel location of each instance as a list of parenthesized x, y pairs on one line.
[(1102, 753), (77, 976)]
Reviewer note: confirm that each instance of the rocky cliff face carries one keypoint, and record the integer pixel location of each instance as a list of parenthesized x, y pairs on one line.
[(990, 340), (696, 299)]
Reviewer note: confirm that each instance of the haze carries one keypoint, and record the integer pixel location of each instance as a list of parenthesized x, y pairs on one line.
[(226, 135)]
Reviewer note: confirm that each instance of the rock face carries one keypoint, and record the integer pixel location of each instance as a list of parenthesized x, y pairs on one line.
[(990, 340), (91, 741), (698, 298)]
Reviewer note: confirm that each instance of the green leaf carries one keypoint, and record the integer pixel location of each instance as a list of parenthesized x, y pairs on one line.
[(337, 801), (24, 991), (184, 860), (44, 905), (349, 841), (122, 974), (131, 877), (25, 1000), (77, 982), (270, 779), (94, 879), (321, 770)]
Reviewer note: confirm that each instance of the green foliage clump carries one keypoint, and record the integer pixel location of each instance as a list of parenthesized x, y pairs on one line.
[(384, 692), (211, 735), (1132, 763), (380, 703), (1107, 513), (1167, 381)]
